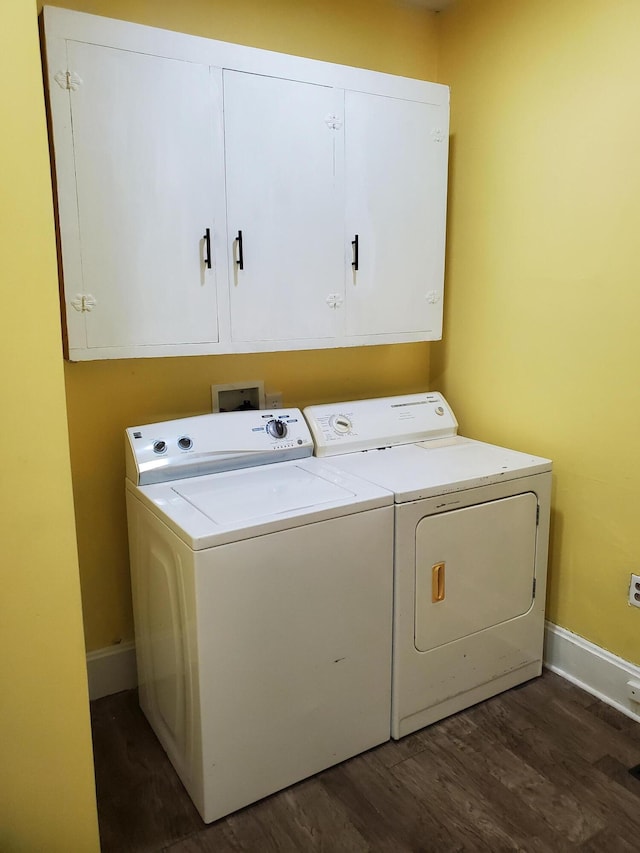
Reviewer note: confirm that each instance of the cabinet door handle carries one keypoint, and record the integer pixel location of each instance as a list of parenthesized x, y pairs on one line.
[(207, 248), (355, 246), (240, 260)]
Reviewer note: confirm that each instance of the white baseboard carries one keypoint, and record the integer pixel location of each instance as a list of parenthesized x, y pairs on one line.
[(583, 663), (593, 669), (111, 670)]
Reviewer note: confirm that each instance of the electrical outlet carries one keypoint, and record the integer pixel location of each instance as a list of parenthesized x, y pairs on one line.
[(633, 690), (274, 401), (634, 591)]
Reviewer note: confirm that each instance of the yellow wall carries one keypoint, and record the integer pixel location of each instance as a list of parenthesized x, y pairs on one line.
[(541, 346), (47, 799), (105, 397), (540, 319)]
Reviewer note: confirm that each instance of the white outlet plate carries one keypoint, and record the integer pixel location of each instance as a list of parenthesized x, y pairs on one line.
[(273, 400), (633, 690), (634, 591)]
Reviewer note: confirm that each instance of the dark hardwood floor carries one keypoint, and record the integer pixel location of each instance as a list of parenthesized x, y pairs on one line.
[(543, 767)]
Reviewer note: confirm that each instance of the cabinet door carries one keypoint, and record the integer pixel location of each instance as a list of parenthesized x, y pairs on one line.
[(145, 149), (396, 179), (284, 163)]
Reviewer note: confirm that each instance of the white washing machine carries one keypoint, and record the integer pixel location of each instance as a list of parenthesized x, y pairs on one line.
[(471, 538), (262, 601)]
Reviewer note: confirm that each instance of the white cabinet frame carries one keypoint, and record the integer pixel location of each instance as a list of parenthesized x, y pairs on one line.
[(63, 26)]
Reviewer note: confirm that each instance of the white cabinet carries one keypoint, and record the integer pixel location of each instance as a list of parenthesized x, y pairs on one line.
[(212, 197), (284, 170), (142, 187), (396, 168)]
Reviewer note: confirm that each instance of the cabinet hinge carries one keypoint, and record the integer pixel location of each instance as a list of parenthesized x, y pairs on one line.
[(534, 588), (68, 80), (537, 515), (83, 302), (334, 300), (333, 121)]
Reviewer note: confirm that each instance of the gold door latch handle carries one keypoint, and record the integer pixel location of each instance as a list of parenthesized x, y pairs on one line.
[(437, 582)]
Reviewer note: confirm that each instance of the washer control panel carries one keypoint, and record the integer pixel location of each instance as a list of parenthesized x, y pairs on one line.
[(223, 441), (383, 422)]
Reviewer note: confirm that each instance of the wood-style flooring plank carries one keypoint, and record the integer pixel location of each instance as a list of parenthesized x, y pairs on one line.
[(542, 768), (303, 817), (142, 804), (480, 812), (515, 787), (557, 750), (582, 729), (384, 810), (619, 773), (608, 841)]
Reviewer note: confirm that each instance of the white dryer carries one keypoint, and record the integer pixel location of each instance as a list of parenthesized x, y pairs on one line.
[(262, 601), (471, 538)]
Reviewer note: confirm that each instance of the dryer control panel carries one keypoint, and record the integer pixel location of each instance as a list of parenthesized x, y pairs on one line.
[(205, 444), (383, 422)]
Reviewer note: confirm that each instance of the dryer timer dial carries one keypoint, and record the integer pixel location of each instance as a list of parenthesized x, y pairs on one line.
[(340, 424)]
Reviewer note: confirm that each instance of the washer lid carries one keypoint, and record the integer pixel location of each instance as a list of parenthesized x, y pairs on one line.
[(439, 467), (217, 509), (231, 500)]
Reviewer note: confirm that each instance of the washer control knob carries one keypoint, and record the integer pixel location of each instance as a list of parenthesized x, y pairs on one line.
[(185, 443), (159, 446), (277, 428), (340, 424)]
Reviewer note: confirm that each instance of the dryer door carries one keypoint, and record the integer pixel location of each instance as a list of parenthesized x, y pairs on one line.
[(474, 568)]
